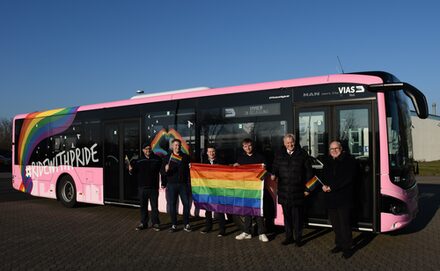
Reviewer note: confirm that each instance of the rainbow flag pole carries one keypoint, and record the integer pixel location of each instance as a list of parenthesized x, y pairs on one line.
[(175, 158), (313, 182)]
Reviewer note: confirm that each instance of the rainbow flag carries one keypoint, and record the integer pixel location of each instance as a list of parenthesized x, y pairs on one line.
[(263, 174), (175, 158), (227, 189), (312, 183)]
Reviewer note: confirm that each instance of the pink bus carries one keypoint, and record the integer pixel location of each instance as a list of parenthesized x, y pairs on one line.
[(79, 154)]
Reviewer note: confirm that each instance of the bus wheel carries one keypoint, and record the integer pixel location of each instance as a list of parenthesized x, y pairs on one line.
[(67, 191)]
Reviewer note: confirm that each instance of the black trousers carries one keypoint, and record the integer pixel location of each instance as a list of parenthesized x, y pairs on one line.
[(152, 195), (340, 220), (293, 221), (219, 216), (248, 224)]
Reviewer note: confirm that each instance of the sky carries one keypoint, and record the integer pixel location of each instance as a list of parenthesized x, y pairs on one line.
[(60, 53)]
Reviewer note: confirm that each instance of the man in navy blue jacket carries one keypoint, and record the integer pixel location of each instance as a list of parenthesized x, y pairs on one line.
[(176, 178)]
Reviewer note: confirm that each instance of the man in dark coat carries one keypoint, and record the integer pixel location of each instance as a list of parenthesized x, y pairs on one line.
[(176, 178), (338, 175), (212, 159), (293, 169), (147, 171)]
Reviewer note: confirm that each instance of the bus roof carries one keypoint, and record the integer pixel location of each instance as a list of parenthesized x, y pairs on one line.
[(203, 92)]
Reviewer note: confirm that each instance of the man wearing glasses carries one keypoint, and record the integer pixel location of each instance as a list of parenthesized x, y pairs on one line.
[(338, 175)]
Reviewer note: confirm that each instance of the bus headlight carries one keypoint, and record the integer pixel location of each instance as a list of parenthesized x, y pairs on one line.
[(393, 206)]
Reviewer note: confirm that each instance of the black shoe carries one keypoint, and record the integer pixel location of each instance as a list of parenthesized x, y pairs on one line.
[(287, 241), (173, 228), (205, 230), (347, 253), (221, 234), (336, 249), (156, 227), (187, 228), (299, 243), (141, 227)]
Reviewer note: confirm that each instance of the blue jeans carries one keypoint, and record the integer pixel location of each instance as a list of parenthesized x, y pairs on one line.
[(151, 194), (175, 190)]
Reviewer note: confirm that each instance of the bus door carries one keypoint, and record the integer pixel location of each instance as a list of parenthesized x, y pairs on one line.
[(312, 132), (352, 125), (354, 129), (121, 145)]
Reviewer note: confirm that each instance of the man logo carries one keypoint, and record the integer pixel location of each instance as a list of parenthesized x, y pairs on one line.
[(351, 89)]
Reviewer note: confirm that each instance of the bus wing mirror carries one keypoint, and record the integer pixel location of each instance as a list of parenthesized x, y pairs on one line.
[(416, 96)]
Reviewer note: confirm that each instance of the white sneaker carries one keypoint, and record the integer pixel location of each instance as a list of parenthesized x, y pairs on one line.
[(243, 236), (263, 238)]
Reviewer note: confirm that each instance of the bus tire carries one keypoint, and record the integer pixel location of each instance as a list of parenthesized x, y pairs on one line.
[(67, 191)]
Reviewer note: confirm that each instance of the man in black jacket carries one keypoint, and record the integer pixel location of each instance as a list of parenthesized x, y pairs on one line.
[(213, 160), (246, 158), (338, 175), (293, 169), (147, 171), (175, 170)]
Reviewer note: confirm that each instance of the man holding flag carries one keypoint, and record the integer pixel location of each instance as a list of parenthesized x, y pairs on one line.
[(293, 169), (339, 173), (249, 156), (176, 177), (212, 159)]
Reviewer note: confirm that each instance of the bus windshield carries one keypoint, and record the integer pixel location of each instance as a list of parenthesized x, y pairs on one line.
[(400, 150)]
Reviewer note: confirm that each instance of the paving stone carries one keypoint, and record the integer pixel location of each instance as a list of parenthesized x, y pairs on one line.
[(41, 234)]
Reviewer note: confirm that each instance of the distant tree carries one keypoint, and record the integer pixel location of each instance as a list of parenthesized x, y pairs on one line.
[(5, 134)]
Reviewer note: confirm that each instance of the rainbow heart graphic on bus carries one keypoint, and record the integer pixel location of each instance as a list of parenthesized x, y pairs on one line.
[(36, 127), (162, 141)]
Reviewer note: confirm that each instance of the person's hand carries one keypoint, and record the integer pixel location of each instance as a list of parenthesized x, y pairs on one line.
[(326, 188), (167, 167), (236, 164), (306, 193), (189, 165)]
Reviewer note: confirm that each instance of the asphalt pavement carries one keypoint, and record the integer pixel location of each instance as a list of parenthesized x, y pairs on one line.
[(41, 234)]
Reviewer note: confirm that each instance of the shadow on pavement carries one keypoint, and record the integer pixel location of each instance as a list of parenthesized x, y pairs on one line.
[(429, 202), (8, 193), (362, 240), (314, 234)]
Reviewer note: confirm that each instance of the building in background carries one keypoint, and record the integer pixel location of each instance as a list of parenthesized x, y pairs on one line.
[(426, 137)]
